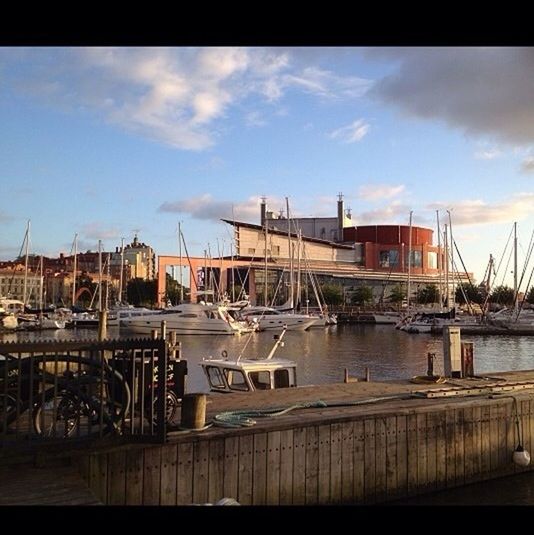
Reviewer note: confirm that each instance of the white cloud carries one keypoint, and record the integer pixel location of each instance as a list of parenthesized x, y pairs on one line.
[(478, 212), (482, 90), (395, 213), (351, 133), (94, 231), (255, 118), (527, 165), (175, 96), (487, 154), (373, 192)]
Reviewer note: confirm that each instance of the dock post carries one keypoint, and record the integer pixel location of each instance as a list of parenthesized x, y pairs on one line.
[(452, 364), (367, 374), (346, 379), (430, 364), (468, 363), (193, 411), (164, 329), (102, 325)]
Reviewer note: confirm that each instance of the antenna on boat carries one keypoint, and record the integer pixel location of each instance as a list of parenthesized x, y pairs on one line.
[(278, 338)]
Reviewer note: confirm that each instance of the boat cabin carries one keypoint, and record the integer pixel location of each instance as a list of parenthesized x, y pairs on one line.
[(248, 375)]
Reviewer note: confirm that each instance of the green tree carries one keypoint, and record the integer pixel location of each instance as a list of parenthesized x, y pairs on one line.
[(428, 294), (141, 292), (332, 294), (473, 293), (530, 296), (397, 295), (362, 295), (502, 295), (172, 290)]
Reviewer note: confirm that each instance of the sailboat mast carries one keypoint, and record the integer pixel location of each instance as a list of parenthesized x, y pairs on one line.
[(452, 261), (291, 283), (100, 275), (74, 269), (181, 267), (121, 274), (440, 267), (41, 284), (27, 239), (515, 267), (446, 246), (409, 261), (265, 268)]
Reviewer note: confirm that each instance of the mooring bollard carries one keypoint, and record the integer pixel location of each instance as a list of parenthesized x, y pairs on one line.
[(430, 364), (193, 411)]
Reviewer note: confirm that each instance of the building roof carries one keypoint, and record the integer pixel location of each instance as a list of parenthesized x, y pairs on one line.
[(284, 233)]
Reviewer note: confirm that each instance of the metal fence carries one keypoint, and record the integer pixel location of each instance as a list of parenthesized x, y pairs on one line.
[(79, 390)]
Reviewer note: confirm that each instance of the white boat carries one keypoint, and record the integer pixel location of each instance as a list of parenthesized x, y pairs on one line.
[(247, 375), (116, 316), (269, 318), (387, 318), (187, 319)]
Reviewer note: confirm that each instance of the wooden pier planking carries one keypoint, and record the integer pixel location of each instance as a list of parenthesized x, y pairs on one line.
[(352, 454)]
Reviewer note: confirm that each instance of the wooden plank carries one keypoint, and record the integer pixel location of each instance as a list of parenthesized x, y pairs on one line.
[(402, 455), (494, 437), (485, 459), (468, 444), (336, 436), (286, 467), (259, 473), (503, 440), (441, 449), (459, 454), (477, 443), (422, 473), (152, 476), (369, 460), (324, 464), (524, 433), (431, 450), (201, 461), (391, 457), (380, 459), (531, 429), (216, 470), (117, 478), (299, 466), (98, 471), (359, 461), (273, 468), (312, 465), (246, 456), (412, 451), (231, 467), (347, 463), (184, 474), (83, 468), (134, 476), (168, 474), (450, 454), (512, 411)]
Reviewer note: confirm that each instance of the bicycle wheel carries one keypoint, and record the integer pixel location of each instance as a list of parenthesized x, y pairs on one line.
[(172, 403), (59, 415)]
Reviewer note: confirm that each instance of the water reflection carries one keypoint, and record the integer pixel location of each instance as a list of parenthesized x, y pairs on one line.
[(322, 355)]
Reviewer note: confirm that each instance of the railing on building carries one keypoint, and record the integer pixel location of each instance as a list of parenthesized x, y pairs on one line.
[(79, 391)]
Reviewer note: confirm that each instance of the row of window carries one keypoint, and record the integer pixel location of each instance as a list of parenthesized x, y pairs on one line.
[(391, 259)]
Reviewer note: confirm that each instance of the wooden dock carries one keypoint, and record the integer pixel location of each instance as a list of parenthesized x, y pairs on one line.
[(395, 443)]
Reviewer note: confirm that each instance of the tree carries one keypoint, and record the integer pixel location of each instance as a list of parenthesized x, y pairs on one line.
[(530, 296), (473, 293), (141, 292), (172, 290), (332, 294), (397, 295), (362, 295), (428, 294), (502, 295)]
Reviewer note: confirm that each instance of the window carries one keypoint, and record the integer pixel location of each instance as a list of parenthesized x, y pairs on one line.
[(388, 258), (260, 380), (281, 378), (215, 377), (251, 251), (416, 259), (433, 260), (236, 379), (276, 250)]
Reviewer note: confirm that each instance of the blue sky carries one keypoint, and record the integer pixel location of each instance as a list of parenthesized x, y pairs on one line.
[(103, 141)]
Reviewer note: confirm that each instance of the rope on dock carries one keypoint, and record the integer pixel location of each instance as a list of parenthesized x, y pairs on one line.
[(245, 418)]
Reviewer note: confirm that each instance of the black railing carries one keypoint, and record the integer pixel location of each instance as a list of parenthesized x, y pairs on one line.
[(53, 391)]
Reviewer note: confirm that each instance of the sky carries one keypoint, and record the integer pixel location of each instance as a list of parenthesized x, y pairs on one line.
[(107, 142)]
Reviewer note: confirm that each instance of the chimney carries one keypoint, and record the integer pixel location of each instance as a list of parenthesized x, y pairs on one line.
[(263, 208), (340, 214)]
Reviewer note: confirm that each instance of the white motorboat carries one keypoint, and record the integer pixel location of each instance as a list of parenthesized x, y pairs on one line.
[(269, 318), (246, 375), (187, 319)]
